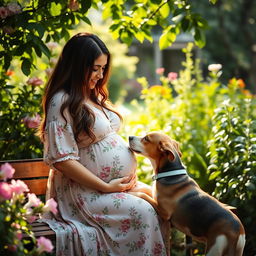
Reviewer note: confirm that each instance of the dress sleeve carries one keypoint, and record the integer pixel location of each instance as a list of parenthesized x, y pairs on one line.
[(59, 143)]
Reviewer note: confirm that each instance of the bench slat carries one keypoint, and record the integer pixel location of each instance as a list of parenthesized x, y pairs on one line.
[(41, 228), (30, 169), (37, 186)]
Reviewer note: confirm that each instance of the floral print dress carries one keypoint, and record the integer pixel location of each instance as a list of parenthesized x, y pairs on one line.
[(90, 222)]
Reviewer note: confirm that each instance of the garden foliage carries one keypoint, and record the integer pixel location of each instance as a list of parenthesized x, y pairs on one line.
[(18, 209), (26, 26), (215, 125)]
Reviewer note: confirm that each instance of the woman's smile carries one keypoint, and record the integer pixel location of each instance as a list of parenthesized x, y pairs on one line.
[(98, 70)]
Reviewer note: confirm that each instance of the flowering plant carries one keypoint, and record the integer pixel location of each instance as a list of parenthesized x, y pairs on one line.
[(17, 211)]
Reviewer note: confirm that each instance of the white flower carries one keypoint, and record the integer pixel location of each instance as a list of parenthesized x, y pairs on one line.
[(33, 201), (214, 67)]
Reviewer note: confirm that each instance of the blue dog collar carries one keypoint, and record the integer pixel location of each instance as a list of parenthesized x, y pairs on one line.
[(168, 174)]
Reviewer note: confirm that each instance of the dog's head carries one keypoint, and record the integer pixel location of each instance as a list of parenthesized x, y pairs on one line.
[(154, 145)]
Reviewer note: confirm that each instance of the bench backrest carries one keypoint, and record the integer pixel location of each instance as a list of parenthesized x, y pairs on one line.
[(34, 172)]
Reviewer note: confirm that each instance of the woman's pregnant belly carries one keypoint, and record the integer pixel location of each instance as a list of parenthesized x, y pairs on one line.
[(109, 158)]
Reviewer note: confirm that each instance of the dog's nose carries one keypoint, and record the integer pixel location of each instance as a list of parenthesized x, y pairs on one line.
[(131, 138)]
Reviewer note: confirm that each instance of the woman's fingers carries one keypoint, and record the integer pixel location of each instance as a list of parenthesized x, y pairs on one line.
[(124, 183)]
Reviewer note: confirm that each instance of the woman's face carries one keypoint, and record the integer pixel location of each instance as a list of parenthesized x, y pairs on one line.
[(98, 70)]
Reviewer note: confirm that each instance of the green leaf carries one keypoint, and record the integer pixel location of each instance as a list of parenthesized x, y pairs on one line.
[(185, 24), (86, 4), (126, 37), (164, 41), (140, 36), (178, 17), (199, 38), (26, 66), (214, 175), (165, 10), (156, 1), (213, 1), (86, 20), (55, 9)]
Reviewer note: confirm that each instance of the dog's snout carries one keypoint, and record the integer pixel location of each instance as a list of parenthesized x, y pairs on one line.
[(131, 138)]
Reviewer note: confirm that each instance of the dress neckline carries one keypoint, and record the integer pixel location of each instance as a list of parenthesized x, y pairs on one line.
[(101, 110)]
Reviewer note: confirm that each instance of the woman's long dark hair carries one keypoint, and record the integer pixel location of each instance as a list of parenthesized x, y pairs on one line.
[(72, 74)]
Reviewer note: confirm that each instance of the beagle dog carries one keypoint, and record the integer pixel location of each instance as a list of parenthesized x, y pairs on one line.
[(179, 199)]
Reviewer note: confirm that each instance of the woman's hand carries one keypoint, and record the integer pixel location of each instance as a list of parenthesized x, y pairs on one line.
[(143, 188), (122, 184)]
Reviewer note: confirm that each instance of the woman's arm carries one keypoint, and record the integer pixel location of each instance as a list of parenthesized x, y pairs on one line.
[(78, 173)]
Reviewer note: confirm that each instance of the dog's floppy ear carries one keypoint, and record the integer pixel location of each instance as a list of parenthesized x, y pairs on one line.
[(169, 148), (177, 147), (166, 147)]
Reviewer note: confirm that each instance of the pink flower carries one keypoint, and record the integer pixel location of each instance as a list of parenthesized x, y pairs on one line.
[(141, 242), (18, 187), (158, 248), (52, 45), (51, 206), (16, 225), (19, 235), (44, 245), (59, 130), (31, 218), (99, 217), (14, 8), (3, 12), (33, 201), (113, 143), (120, 196), (6, 171), (53, 61), (125, 226), (104, 175), (107, 169), (73, 5), (32, 122), (48, 71), (160, 71), (35, 81), (172, 76), (5, 191)]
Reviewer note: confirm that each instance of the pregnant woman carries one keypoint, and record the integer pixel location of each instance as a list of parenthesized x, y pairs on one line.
[(93, 169)]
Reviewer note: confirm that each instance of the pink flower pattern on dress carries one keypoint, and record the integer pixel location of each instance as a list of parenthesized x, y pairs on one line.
[(104, 223), (125, 225)]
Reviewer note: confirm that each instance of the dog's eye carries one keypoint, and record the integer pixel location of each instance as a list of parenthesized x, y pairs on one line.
[(146, 139)]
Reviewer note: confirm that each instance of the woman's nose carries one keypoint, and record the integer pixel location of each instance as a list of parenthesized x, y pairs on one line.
[(100, 74)]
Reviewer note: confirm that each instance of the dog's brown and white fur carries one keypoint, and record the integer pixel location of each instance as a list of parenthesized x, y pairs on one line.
[(179, 199)]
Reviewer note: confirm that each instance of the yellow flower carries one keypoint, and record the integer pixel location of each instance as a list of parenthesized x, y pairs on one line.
[(159, 89)]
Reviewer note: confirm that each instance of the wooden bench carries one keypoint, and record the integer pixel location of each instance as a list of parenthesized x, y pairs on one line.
[(34, 172)]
